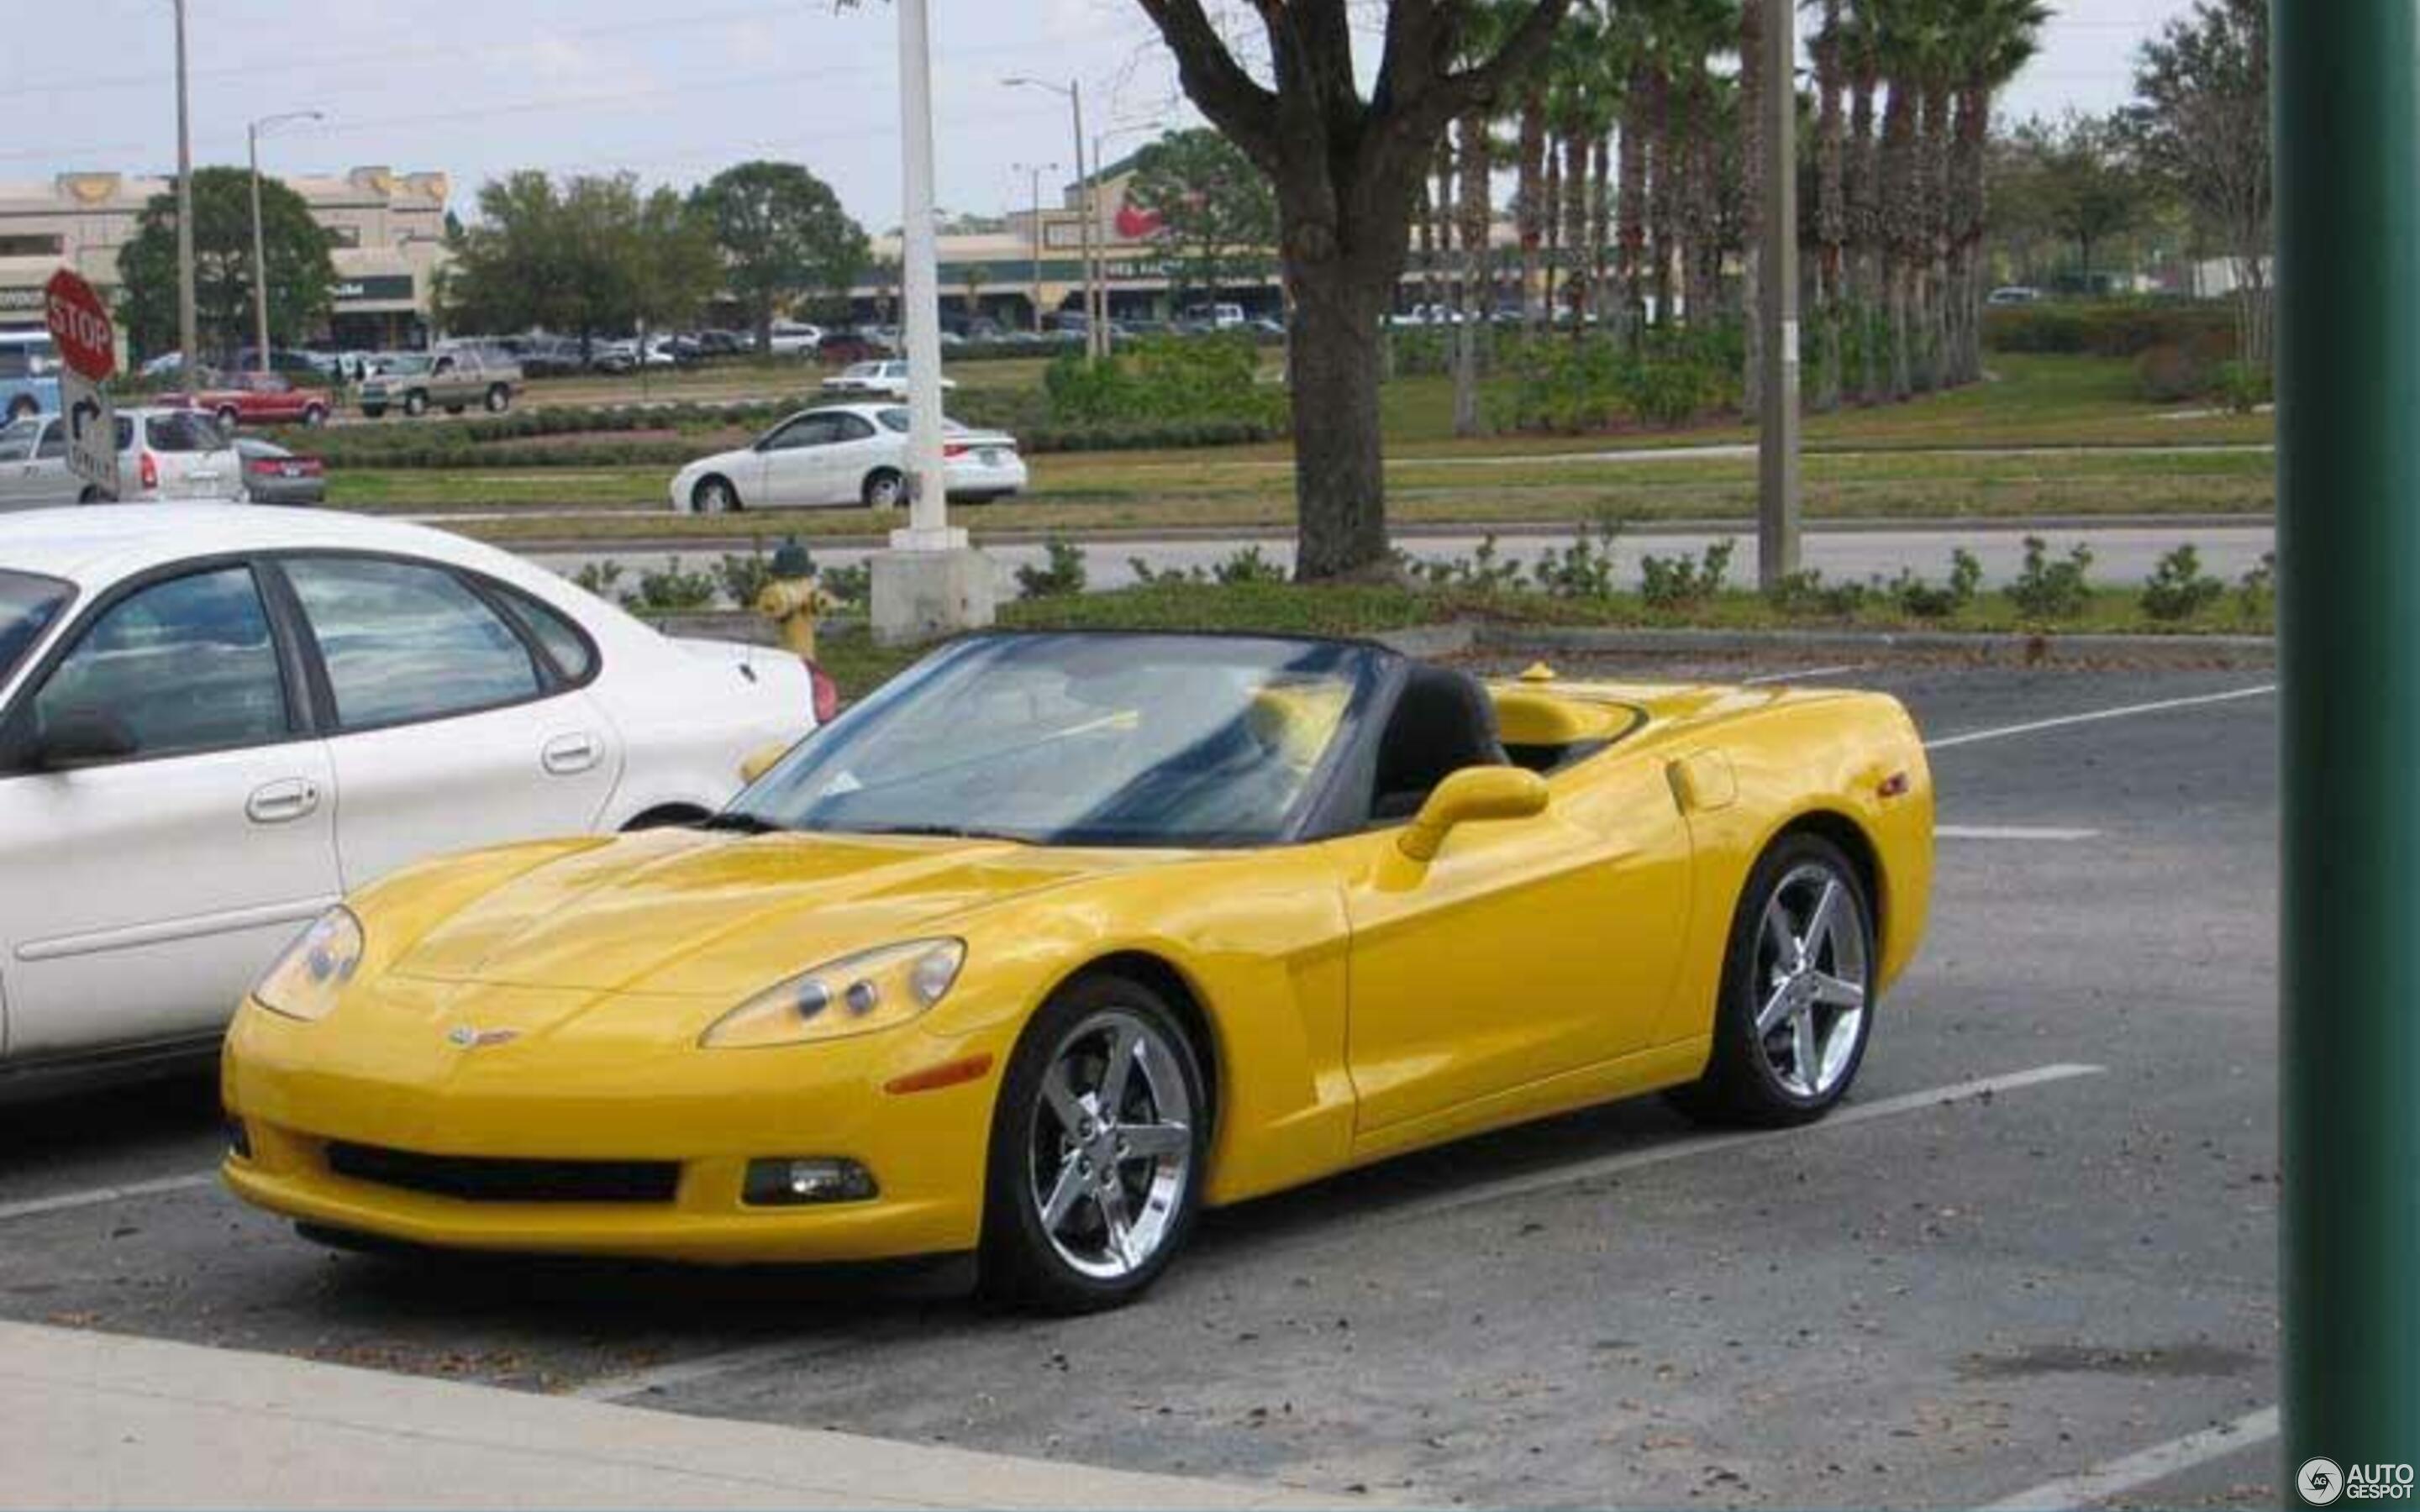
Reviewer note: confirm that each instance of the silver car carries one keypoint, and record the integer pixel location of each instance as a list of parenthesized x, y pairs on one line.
[(274, 475), (177, 455)]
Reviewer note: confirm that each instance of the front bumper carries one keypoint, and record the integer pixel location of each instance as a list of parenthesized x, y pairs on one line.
[(297, 1089)]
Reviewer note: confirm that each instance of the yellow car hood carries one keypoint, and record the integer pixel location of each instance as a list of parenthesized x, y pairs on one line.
[(684, 913)]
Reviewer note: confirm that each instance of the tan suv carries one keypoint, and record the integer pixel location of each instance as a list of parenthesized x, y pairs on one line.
[(452, 378)]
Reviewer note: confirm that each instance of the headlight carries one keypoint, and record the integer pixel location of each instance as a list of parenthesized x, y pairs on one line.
[(306, 979), (856, 994)]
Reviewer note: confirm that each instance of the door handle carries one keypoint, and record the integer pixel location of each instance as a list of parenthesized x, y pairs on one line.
[(278, 803), (567, 755)]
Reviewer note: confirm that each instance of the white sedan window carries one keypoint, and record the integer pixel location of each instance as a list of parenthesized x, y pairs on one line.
[(406, 642)]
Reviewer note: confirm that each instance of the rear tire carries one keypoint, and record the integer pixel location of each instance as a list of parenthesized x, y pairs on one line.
[(1081, 1218), (883, 490), (21, 406), (372, 411), (1796, 1004), (228, 417), (315, 415)]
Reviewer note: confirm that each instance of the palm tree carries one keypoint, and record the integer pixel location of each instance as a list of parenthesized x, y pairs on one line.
[(1863, 287), (1752, 85), (1529, 208), (1831, 204), (1995, 40)]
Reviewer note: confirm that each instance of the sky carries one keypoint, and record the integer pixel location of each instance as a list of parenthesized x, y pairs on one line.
[(674, 93)]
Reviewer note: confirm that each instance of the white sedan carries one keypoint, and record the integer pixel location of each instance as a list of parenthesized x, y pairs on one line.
[(216, 721), (886, 379), (850, 454)]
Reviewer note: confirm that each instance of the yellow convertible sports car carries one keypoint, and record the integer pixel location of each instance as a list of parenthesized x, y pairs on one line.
[(1058, 937)]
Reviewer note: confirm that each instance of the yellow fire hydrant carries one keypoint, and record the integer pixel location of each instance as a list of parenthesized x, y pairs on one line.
[(792, 600)]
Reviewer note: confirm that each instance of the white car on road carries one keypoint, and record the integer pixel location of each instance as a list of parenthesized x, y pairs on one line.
[(845, 453), (162, 454), (214, 723), (875, 381)]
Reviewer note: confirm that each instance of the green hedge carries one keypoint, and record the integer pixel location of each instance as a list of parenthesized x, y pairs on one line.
[(2113, 328), (426, 452)]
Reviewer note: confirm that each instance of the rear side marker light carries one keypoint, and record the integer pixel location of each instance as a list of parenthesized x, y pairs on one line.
[(1893, 786), (826, 693), (239, 1139)]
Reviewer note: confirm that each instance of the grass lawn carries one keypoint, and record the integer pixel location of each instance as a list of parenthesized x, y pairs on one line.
[(859, 665), (1912, 461)]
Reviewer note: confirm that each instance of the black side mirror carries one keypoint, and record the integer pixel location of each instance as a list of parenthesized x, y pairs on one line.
[(83, 738)]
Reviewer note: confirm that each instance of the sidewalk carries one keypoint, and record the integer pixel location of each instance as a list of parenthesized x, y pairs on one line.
[(92, 1420)]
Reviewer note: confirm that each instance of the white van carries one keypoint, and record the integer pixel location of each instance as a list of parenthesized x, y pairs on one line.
[(162, 455)]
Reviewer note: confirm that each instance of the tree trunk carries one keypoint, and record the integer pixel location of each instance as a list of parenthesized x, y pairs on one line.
[(1529, 202), (1933, 222), (1831, 210), (1631, 210), (1476, 282), (1332, 382), (1663, 196), (1551, 212), (1968, 213), (1575, 227), (1697, 217), (1902, 237), (1752, 155), (1600, 223), (1864, 286)]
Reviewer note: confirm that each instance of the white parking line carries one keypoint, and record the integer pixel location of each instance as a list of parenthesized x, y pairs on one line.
[(2009, 832), (2148, 1468), (97, 1197), (1975, 736), (1803, 676), (1512, 1186)]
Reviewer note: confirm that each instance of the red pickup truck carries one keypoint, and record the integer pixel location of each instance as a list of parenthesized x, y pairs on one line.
[(258, 399)]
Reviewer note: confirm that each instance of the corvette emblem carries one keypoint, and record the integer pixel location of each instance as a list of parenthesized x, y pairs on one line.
[(464, 1037)]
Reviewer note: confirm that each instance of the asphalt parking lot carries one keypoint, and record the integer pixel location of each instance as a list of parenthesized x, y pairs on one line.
[(2066, 1268)]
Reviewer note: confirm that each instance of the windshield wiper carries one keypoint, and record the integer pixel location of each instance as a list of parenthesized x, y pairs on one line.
[(740, 821), (941, 831)]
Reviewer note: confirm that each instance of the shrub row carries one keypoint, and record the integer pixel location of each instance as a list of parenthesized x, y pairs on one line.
[(2112, 327)]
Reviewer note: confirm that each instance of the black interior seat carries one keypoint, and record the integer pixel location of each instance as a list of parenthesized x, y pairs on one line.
[(1443, 723)]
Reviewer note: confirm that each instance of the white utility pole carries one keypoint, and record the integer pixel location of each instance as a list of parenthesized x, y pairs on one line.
[(259, 252), (189, 338), (930, 582)]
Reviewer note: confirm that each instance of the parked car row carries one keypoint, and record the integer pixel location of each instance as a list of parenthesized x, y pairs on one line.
[(166, 454)]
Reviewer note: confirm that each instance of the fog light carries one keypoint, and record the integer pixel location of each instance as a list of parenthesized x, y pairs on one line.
[(239, 1139), (790, 1183)]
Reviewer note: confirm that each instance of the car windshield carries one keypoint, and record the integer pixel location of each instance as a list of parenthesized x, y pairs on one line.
[(1144, 740), (27, 606)]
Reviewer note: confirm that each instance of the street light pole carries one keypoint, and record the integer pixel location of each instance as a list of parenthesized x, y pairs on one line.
[(252, 134), (1778, 477), (1036, 170), (2347, 88), (1095, 304), (188, 322)]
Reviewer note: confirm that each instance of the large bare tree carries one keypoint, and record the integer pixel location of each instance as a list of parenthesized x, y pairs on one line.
[(1347, 168)]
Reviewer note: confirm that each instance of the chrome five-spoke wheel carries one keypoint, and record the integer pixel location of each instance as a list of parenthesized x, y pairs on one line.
[(1811, 963), (1110, 1158), (1796, 1004), (1100, 1137)]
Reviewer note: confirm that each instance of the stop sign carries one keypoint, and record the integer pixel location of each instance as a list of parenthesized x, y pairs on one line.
[(79, 323)]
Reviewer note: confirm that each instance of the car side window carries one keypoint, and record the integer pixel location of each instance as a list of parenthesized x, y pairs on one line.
[(851, 428), (17, 440), (54, 444), (807, 430), (185, 665), (569, 649), (406, 641)]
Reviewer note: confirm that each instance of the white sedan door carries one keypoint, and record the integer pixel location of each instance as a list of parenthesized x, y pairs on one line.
[(141, 892), (798, 462), (452, 727)]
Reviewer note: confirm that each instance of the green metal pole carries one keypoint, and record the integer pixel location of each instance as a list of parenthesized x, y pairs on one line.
[(2348, 131)]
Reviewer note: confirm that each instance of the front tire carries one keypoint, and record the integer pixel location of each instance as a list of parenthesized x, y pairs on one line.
[(228, 418), (714, 495), (416, 403), (23, 406), (315, 416), (1796, 1004), (372, 411), (499, 399), (1099, 1143), (883, 488)]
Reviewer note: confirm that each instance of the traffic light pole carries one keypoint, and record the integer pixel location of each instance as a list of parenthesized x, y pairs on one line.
[(2347, 82)]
